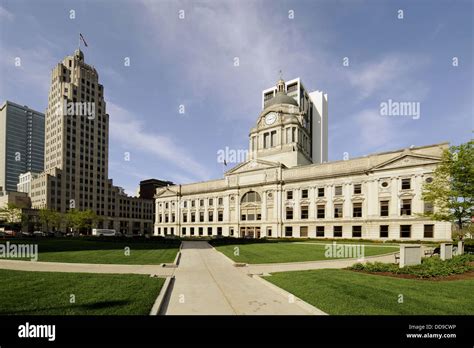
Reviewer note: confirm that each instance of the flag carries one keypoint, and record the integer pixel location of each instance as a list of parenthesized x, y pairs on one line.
[(225, 162), (82, 38)]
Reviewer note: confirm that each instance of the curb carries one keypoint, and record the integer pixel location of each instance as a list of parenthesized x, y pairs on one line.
[(157, 306), (176, 259), (299, 302)]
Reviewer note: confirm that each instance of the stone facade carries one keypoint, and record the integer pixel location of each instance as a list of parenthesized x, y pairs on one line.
[(273, 195)]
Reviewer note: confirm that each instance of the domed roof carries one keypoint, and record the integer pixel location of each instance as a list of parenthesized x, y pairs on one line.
[(281, 98)]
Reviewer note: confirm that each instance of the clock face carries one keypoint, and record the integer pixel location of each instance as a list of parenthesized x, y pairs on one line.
[(270, 118)]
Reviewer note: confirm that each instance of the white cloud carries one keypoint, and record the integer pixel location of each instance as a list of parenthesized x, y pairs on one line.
[(131, 132), (5, 14), (392, 75)]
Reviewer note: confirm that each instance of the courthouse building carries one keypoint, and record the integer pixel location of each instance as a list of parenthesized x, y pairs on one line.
[(287, 189)]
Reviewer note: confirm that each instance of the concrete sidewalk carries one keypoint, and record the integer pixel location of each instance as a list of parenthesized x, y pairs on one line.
[(206, 282), (85, 267), (303, 266)]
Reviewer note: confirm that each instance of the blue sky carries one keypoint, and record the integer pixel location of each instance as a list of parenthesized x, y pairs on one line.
[(190, 62)]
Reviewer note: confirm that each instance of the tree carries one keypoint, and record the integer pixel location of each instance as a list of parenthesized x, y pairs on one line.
[(11, 214), (79, 220), (452, 190)]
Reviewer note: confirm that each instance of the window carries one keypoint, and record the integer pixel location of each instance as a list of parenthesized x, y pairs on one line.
[(193, 217), (209, 231), (266, 140), (304, 193), (338, 190), (211, 202), (384, 184), (428, 207), (288, 231), (211, 216), (289, 194), (220, 216), (406, 184), (201, 231), (289, 213), (357, 189), (405, 231), (273, 140), (319, 231), (304, 231), (193, 204), (383, 231), (384, 208), (201, 202), (338, 210), (243, 217), (219, 231), (250, 197), (231, 231), (192, 231), (201, 216), (220, 201), (337, 230), (304, 212), (269, 231), (428, 231), (356, 231), (357, 210), (406, 207), (320, 211), (183, 231), (321, 192), (429, 180)]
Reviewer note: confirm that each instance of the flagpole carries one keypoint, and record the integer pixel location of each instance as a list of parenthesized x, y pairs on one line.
[(79, 43)]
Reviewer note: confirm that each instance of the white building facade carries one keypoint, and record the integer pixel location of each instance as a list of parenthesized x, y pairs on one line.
[(279, 193)]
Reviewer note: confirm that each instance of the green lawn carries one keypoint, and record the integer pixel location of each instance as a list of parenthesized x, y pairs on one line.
[(103, 251), (49, 293), (287, 252), (347, 292)]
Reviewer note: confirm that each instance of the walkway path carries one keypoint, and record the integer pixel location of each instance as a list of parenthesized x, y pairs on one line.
[(84, 267), (206, 282)]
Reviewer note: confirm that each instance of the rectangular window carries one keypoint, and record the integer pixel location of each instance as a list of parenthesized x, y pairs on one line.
[(183, 231), (383, 231), (231, 231), (201, 231), (289, 213), (357, 189), (201, 202), (406, 207), (193, 217), (211, 216), (405, 231), (193, 204), (220, 216), (406, 184), (321, 211), (289, 194), (219, 231), (221, 201), (209, 231), (201, 216), (304, 212), (384, 208), (338, 190), (356, 231), (304, 231), (288, 231), (243, 217), (211, 202), (185, 204), (266, 140), (428, 231), (338, 210), (192, 231), (304, 193), (273, 139), (321, 192), (269, 231), (357, 210), (319, 231), (337, 230)]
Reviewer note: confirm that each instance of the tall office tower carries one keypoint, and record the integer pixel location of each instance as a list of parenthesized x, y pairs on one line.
[(76, 150), (21, 143), (314, 105)]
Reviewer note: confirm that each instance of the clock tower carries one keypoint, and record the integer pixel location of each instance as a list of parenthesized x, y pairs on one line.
[(282, 133)]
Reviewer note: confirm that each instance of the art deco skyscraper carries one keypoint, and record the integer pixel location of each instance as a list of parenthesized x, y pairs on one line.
[(76, 150)]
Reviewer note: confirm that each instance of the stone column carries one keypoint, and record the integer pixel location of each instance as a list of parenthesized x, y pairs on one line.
[(460, 247), (410, 254), (446, 251)]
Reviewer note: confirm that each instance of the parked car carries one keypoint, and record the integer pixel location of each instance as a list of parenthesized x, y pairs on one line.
[(104, 232), (26, 234), (39, 234)]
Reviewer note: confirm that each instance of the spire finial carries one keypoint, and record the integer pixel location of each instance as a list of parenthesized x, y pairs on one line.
[(281, 74)]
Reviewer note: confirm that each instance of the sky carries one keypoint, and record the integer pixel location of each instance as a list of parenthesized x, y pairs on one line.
[(183, 57)]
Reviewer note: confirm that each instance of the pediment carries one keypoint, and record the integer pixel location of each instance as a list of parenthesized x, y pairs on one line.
[(253, 165), (407, 160), (166, 192)]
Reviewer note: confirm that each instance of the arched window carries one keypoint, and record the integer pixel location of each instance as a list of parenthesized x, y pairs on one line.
[(250, 197)]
